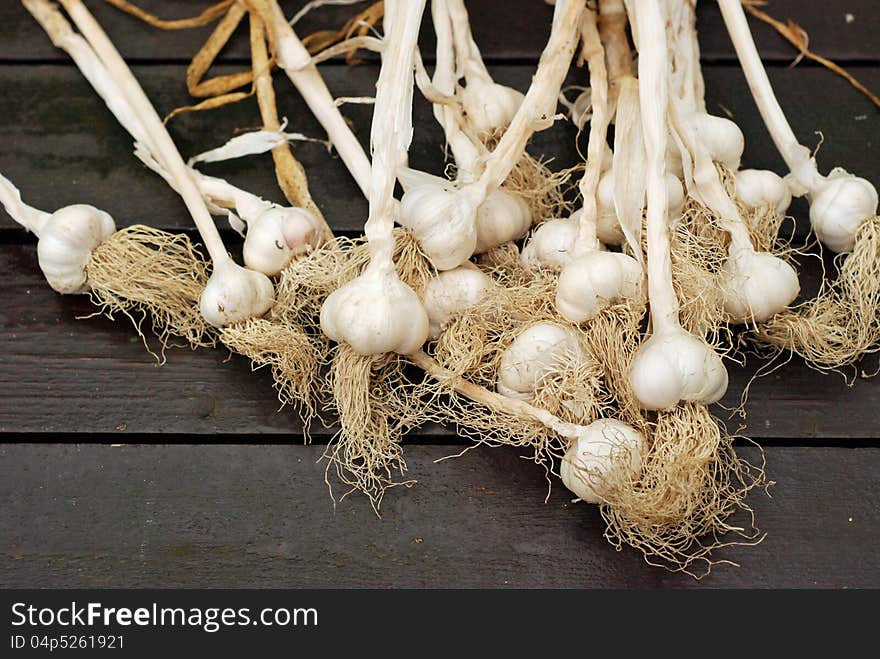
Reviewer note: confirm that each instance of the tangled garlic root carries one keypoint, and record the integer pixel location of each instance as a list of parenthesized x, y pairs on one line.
[(677, 513), (842, 323), (144, 272), (292, 356)]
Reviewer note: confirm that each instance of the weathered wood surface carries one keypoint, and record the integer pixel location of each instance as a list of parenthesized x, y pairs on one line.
[(504, 31), (61, 145), (260, 516)]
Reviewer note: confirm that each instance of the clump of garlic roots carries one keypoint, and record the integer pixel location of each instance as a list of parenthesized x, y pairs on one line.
[(842, 323)]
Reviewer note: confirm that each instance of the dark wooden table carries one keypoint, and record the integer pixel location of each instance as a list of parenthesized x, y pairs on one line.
[(115, 471)]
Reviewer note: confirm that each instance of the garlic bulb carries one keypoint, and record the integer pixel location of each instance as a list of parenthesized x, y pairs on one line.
[(551, 246), (450, 293), (594, 280), (600, 448), (234, 294), (534, 355), (488, 106), (673, 366), (276, 236), (721, 137), (608, 229), (376, 313), (838, 206), (757, 188), (674, 198), (503, 217), (443, 221), (66, 241), (757, 286)]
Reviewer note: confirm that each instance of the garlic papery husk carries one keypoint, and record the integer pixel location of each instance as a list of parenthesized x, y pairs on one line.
[(503, 217), (532, 356), (603, 447), (452, 292), (489, 107), (443, 221), (758, 188), (595, 279), (722, 138), (234, 294), (66, 241), (838, 205), (757, 286), (551, 246), (276, 236), (674, 365), (376, 313)]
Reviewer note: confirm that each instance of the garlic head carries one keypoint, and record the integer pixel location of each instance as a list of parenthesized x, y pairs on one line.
[(757, 188), (234, 294), (66, 242), (551, 246), (721, 137), (276, 236), (532, 356), (488, 106), (838, 207), (593, 280), (757, 286), (503, 217), (443, 221), (608, 229), (451, 292)]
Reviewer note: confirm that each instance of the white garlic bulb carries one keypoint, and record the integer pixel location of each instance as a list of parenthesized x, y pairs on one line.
[(551, 246), (674, 365), (600, 448), (608, 229), (838, 206), (721, 137), (451, 292), (501, 218), (376, 313), (234, 294), (595, 279), (757, 188), (443, 221), (532, 356), (488, 106), (66, 241), (276, 236), (757, 285)]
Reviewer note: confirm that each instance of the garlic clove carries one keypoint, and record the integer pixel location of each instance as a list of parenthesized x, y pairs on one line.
[(551, 246), (838, 207), (534, 355), (66, 242), (503, 217), (594, 280), (601, 448), (674, 365), (375, 314), (757, 286), (488, 106), (721, 137), (276, 236), (234, 294), (452, 292), (443, 221), (757, 188)]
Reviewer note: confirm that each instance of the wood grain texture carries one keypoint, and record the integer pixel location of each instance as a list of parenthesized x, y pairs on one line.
[(62, 146), (256, 516), (499, 29), (94, 376)]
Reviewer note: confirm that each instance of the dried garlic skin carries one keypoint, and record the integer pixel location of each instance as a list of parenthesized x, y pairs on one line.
[(65, 245)]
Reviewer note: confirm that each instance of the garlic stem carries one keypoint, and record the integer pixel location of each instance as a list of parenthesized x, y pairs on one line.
[(468, 53), (618, 56), (160, 139), (292, 56), (32, 219)]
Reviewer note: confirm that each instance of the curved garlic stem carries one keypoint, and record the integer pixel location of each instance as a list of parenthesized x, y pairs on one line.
[(537, 109), (469, 57), (685, 52), (594, 54), (160, 139), (32, 219), (618, 56), (292, 56)]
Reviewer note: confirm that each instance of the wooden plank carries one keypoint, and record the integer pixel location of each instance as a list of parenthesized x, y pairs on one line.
[(518, 32), (62, 146), (95, 376), (91, 516)]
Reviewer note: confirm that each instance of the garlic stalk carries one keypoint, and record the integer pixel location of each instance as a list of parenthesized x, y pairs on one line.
[(672, 365), (65, 238), (444, 218), (757, 285), (594, 278), (377, 313), (839, 202), (233, 293)]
